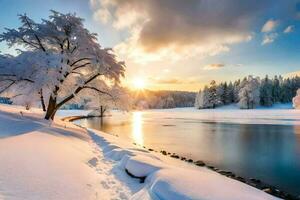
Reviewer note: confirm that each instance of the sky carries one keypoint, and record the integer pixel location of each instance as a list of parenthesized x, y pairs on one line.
[(183, 45)]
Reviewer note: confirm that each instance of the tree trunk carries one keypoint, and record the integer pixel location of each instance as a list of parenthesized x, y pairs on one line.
[(42, 100), (52, 108), (101, 111)]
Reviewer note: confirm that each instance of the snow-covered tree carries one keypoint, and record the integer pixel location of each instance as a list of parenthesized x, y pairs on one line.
[(296, 100), (249, 93), (61, 61), (236, 89), (276, 90), (221, 94), (101, 103), (203, 99), (197, 98), (24, 76), (213, 99), (229, 94), (266, 87), (286, 91)]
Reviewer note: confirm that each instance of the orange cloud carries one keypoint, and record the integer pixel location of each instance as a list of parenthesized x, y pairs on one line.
[(174, 81), (214, 66)]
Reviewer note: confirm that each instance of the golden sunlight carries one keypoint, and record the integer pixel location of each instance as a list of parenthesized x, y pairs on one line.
[(137, 131), (139, 83)]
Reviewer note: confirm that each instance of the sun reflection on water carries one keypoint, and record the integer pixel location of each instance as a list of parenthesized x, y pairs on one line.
[(137, 130)]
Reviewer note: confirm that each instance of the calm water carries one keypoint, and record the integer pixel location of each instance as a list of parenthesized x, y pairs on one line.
[(267, 152)]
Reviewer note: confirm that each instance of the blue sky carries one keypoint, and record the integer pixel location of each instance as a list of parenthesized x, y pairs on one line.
[(172, 45)]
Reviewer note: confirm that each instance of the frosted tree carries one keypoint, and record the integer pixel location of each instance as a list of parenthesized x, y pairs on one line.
[(203, 99), (276, 90), (101, 103), (236, 89), (249, 93), (199, 100), (266, 87), (213, 99), (229, 94), (24, 76), (72, 60), (286, 91), (225, 93), (296, 100), (221, 94)]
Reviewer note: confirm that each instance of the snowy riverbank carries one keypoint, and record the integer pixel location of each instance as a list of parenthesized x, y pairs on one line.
[(279, 114), (40, 160)]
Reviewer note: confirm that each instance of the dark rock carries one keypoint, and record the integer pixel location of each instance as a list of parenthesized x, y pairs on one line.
[(268, 190), (240, 179), (169, 153), (174, 156), (189, 160), (150, 149), (183, 158), (213, 168), (164, 153), (199, 163), (227, 173), (253, 184), (255, 180)]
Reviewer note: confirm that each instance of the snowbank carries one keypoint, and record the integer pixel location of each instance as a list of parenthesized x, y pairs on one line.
[(166, 178), (51, 160), (58, 160)]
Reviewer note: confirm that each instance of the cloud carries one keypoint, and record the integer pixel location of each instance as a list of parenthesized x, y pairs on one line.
[(289, 29), (176, 29), (102, 15), (238, 65), (269, 38), (213, 66), (270, 26), (174, 81)]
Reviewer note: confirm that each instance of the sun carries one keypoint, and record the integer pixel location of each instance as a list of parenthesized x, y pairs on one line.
[(139, 83)]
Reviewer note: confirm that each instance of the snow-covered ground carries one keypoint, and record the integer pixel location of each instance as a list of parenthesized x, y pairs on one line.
[(281, 114), (58, 160)]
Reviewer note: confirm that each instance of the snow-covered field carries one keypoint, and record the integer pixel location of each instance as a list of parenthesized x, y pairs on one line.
[(58, 160)]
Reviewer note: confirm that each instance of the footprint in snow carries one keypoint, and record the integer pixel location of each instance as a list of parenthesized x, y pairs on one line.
[(105, 185), (93, 162)]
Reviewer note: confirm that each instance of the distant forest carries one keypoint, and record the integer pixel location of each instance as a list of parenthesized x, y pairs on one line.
[(148, 99), (248, 92)]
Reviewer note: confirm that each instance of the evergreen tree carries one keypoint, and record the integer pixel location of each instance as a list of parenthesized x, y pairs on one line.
[(221, 89), (230, 93), (266, 98), (204, 99), (236, 89), (249, 93), (276, 90), (212, 95)]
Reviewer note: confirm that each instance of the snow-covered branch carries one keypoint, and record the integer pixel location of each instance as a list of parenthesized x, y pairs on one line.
[(61, 58)]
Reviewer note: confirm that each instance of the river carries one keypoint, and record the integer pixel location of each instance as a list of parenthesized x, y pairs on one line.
[(267, 152)]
